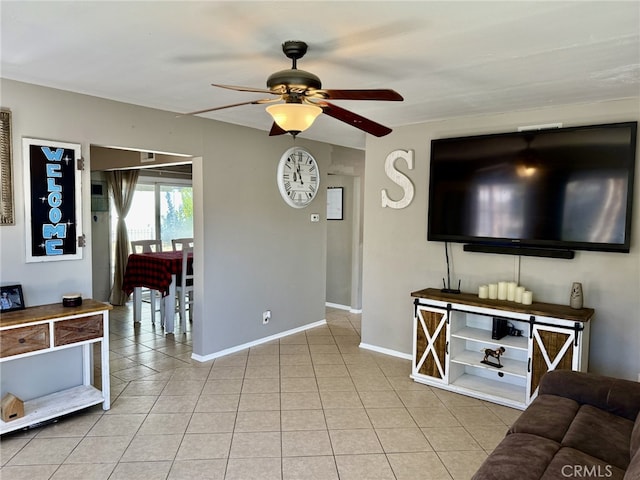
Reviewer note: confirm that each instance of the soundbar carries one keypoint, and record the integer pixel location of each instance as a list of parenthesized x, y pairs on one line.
[(518, 250)]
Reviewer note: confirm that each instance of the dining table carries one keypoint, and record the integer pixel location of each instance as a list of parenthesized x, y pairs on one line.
[(156, 271)]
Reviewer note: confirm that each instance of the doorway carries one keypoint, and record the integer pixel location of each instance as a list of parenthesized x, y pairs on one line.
[(165, 206), (344, 247)]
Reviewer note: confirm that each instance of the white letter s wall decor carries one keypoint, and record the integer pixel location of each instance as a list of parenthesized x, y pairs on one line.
[(399, 178)]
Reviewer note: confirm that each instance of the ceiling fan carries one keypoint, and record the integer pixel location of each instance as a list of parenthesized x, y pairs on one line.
[(301, 98)]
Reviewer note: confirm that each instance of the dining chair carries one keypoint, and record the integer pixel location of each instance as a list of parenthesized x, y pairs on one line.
[(184, 288), (148, 246), (180, 243)]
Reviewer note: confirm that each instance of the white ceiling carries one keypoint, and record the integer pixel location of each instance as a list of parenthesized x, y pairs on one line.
[(447, 59)]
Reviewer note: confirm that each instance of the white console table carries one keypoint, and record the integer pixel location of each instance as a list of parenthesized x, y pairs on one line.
[(47, 328), (450, 332)]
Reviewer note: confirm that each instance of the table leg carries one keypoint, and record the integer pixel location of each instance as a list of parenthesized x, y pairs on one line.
[(170, 307), (137, 304)]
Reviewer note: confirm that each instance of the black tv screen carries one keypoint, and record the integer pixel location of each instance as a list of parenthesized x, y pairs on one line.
[(562, 188)]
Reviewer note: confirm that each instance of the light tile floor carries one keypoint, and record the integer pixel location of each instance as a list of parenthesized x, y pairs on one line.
[(309, 406)]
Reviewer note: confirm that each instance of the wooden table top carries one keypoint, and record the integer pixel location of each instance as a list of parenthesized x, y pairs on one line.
[(51, 311), (537, 308)]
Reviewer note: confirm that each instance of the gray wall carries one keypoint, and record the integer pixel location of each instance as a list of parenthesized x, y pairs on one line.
[(253, 251), (398, 259)]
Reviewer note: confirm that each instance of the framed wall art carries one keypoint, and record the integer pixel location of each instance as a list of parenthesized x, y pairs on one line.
[(53, 203), (334, 203), (11, 298), (6, 178)]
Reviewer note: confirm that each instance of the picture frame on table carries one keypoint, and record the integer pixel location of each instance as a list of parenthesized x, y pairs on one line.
[(11, 298)]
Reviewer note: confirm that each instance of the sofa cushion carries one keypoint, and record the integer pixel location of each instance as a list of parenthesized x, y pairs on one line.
[(571, 463), (548, 416), (600, 434), (621, 397), (518, 455), (633, 472), (635, 438)]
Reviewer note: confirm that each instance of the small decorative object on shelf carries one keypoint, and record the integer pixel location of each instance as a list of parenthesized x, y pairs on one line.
[(490, 352), (502, 290), (576, 298), (527, 297), (12, 408), (509, 291), (72, 300)]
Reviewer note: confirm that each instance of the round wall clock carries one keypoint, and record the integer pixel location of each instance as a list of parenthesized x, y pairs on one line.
[(298, 177)]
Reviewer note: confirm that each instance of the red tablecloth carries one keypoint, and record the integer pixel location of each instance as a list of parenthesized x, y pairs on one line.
[(152, 270)]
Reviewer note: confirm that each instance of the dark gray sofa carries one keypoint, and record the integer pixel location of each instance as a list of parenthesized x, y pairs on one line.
[(581, 426)]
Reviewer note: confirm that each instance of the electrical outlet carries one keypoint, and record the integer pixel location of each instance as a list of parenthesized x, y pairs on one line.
[(266, 316)]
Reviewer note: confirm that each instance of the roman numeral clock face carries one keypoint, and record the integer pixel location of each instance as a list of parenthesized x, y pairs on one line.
[(298, 177)]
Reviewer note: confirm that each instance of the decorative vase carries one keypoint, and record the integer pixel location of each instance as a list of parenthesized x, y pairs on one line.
[(576, 298)]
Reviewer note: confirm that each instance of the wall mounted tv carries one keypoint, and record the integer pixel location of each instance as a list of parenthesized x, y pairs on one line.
[(537, 192)]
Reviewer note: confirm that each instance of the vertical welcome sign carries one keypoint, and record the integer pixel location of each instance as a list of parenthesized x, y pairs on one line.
[(52, 200)]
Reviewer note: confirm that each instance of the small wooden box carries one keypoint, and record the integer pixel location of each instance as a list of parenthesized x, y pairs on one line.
[(11, 408)]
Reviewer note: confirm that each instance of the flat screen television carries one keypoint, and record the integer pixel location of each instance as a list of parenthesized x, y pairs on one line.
[(537, 191)]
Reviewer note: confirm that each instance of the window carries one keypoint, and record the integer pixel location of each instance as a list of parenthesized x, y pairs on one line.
[(176, 213), (159, 210)]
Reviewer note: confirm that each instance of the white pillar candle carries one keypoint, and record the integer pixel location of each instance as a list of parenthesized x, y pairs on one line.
[(519, 292), (483, 291), (493, 291), (511, 291), (527, 297), (502, 290)]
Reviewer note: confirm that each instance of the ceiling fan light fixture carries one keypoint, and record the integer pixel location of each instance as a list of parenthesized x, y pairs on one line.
[(294, 117)]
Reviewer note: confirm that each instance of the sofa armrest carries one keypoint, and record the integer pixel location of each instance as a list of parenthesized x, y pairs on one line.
[(617, 396)]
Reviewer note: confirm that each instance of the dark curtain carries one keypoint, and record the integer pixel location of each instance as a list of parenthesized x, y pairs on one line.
[(122, 184)]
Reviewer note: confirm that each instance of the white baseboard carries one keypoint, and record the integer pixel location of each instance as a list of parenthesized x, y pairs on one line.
[(228, 351), (343, 307), (337, 305), (386, 351)]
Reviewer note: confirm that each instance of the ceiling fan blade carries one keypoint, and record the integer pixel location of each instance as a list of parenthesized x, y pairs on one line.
[(354, 119), (276, 130), (253, 102), (371, 94), (246, 89), (368, 35)]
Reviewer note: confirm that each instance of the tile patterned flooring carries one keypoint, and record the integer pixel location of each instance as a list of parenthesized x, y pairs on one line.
[(309, 406)]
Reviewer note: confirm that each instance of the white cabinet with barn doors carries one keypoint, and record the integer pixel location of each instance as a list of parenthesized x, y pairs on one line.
[(451, 333)]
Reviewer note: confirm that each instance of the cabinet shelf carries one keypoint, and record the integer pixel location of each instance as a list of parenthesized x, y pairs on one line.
[(510, 366), (492, 389), (484, 336), (55, 405)]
